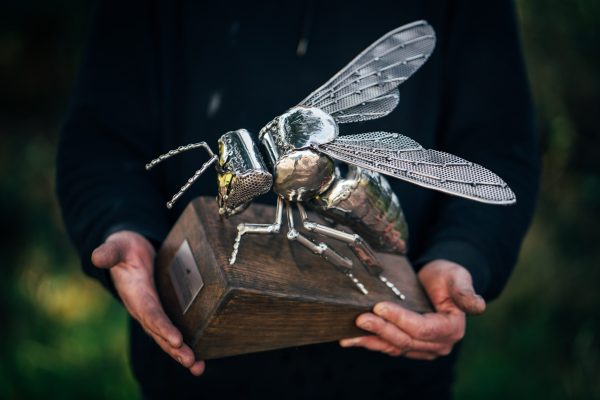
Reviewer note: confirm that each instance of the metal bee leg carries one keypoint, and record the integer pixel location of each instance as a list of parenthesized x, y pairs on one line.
[(340, 262), (359, 247), (258, 228)]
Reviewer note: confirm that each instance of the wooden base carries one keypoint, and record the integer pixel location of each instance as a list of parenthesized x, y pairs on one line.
[(276, 295)]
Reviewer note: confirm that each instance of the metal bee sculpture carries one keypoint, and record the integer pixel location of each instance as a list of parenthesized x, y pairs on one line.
[(302, 144)]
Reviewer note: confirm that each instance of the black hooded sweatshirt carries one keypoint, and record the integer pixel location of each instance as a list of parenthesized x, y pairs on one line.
[(159, 74)]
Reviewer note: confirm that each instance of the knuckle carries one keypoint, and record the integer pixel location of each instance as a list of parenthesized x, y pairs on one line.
[(426, 331), (404, 342)]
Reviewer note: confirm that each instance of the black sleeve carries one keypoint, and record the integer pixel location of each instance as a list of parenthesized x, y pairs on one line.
[(110, 132), (488, 119)]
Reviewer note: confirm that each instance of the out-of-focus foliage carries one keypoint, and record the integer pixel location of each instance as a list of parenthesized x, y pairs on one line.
[(63, 337), (541, 339)]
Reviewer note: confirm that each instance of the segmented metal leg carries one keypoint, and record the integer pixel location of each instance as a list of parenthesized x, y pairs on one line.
[(361, 249), (258, 228), (341, 263)]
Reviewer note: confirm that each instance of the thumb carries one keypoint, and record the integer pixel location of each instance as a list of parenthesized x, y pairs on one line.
[(109, 254), (464, 295)]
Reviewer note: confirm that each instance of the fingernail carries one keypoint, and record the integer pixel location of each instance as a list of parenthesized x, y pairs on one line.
[(365, 325), (380, 309), (180, 360), (348, 342)]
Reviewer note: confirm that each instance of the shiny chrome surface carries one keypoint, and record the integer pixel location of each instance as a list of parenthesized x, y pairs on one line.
[(401, 157), (302, 142), (365, 202), (200, 145), (366, 88), (302, 174), (241, 172), (298, 128), (305, 126)]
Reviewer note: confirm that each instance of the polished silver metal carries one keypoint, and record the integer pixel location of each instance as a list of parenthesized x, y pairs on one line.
[(403, 158), (179, 150), (341, 263), (374, 74), (242, 173), (194, 177), (302, 146), (303, 174), (265, 229), (365, 202), (359, 247), (300, 173)]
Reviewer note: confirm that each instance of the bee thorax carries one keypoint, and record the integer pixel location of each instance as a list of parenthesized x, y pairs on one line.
[(300, 171), (302, 174)]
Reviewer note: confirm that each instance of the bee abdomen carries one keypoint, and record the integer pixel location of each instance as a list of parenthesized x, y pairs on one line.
[(364, 201)]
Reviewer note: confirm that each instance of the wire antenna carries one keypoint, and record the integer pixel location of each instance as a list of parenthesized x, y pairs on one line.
[(179, 150), (190, 181)]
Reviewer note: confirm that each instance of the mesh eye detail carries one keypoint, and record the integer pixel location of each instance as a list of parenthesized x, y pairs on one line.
[(242, 189)]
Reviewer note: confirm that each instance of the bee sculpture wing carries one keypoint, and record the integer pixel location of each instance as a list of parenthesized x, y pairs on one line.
[(366, 88), (401, 157)]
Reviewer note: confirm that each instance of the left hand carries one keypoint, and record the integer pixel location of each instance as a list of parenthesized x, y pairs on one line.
[(398, 331)]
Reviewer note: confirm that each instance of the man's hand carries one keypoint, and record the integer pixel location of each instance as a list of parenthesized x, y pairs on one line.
[(398, 331), (130, 258)]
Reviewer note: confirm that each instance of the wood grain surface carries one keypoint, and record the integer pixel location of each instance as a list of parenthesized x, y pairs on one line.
[(277, 294)]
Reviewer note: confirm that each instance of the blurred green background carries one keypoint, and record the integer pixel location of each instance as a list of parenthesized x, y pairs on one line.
[(62, 336)]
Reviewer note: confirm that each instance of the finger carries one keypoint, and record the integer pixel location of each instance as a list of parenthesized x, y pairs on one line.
[(464, 296), (431, 327), (152, 316), (108, 254), (419, 355), (160, 324), (183, 355), (372, 343), (394, 335), (198, 368)]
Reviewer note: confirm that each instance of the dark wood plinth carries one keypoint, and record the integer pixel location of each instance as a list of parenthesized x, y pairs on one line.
[(276, 295)]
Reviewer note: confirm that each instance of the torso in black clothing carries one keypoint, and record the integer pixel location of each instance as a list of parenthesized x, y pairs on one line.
[(162, 74), (238, 67)]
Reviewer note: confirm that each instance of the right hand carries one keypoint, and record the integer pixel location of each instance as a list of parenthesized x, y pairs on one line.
[(130, 259)]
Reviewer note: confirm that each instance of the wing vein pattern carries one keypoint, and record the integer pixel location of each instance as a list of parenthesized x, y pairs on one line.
[(403, 158), (366, 88)]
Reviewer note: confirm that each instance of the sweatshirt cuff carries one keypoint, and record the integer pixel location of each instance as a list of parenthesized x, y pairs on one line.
[(464, 254)]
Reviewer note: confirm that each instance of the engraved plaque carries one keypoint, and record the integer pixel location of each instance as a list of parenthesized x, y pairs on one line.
[(185, 276)]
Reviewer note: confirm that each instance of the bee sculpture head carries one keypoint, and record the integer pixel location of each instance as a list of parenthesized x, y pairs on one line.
[(241, 172)]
